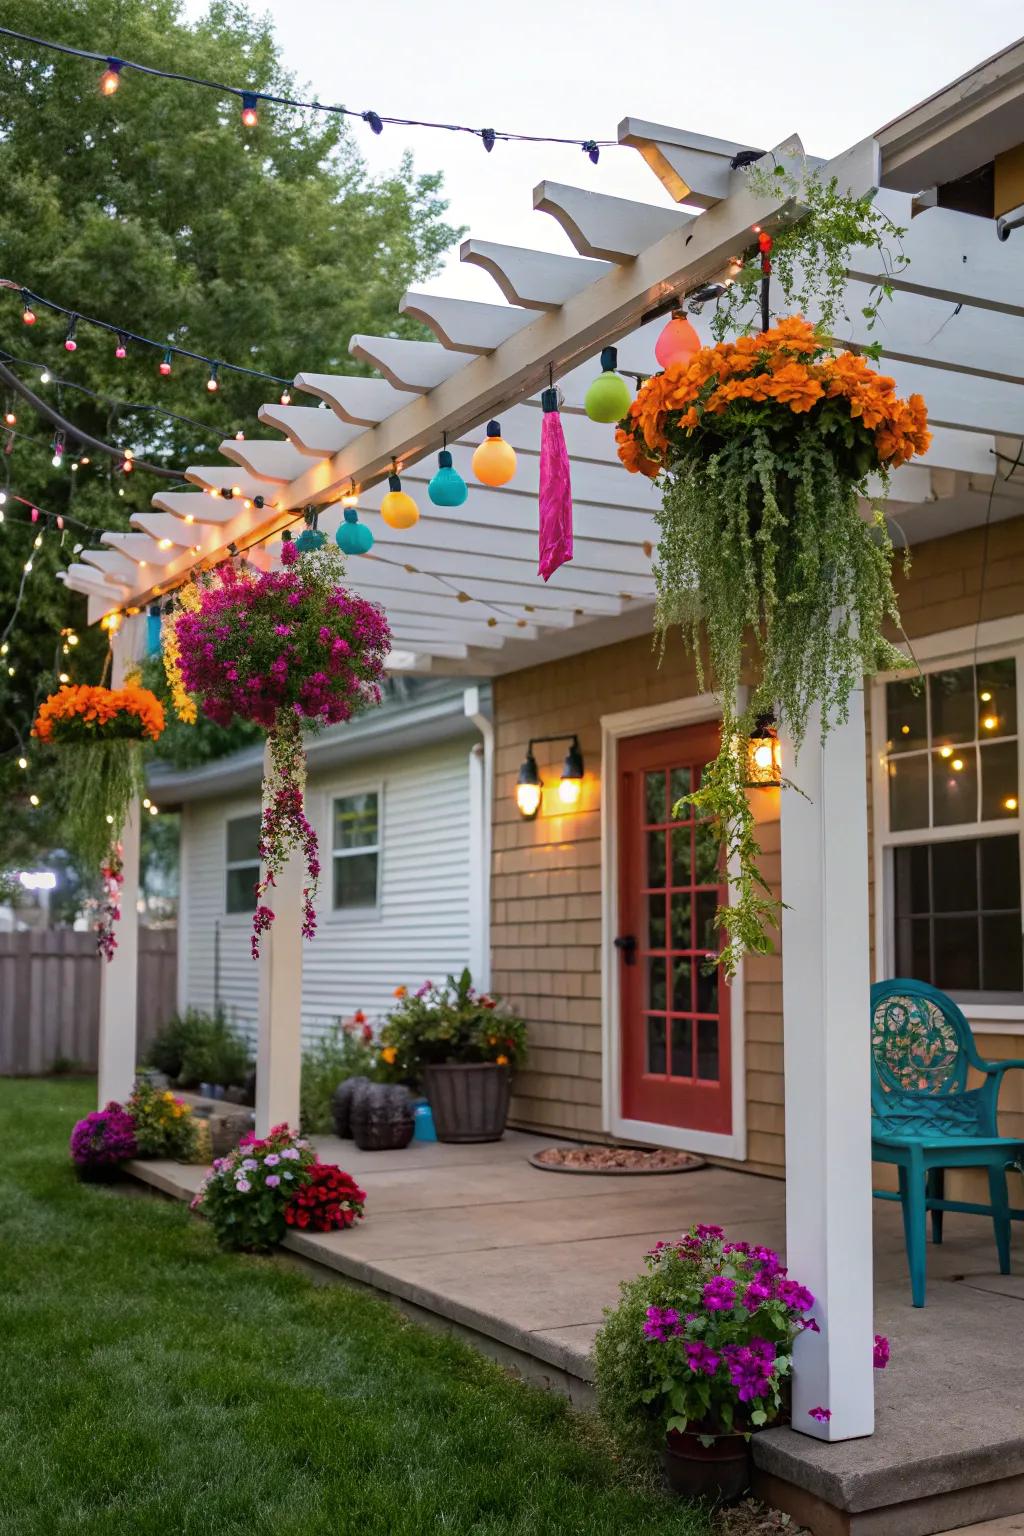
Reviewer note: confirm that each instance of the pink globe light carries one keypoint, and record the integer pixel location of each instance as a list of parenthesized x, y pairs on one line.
[(677, 342), (120, 351), (70, 345)]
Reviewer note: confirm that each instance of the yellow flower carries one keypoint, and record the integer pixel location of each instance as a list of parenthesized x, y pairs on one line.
[(501, 1061), (389, 1054)]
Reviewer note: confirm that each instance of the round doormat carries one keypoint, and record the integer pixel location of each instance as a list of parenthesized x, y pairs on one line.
[(625, 1160)]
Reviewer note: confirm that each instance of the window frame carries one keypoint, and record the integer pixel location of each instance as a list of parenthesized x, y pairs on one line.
[(371, 909), (935, 658), (230, 864)]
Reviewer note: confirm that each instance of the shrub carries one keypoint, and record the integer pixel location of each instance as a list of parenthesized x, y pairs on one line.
[(449, 1023), (216, 1054), (331, 1201), (164, 1126), (348, 1052), (245, 1195), (103, 1140), (167, 1049)]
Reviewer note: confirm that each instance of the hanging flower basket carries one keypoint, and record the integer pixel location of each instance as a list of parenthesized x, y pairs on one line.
[(285, 649), (766, 445), (101, 774)]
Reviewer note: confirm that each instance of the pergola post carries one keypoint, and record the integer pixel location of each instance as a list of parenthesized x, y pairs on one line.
[(119, 977), (826, 1011), (279, 1039)]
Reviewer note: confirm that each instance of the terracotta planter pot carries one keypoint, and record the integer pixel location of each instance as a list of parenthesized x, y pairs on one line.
[(719, 1471), (469, 1100)]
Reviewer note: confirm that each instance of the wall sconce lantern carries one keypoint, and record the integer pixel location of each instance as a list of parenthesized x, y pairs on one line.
[(764, 755), (530, 787)]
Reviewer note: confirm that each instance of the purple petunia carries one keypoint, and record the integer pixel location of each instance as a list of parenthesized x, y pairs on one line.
[(719, 1294), (797, 1297), (881, 1352), (701, 1358), (662, 1323), (821, 1414), (750, 1367), (757, 1292)]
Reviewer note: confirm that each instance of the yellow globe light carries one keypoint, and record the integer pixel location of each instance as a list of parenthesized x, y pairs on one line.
[(494, 462), (528, 787), (398, 508)]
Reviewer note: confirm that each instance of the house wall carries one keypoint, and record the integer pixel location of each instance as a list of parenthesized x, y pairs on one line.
[(546, 880), (422, 926)]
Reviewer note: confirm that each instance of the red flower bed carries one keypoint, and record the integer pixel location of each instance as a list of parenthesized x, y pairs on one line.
[(329, 1202)]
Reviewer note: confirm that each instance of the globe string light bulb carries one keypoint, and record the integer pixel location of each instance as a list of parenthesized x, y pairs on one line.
[(111, 77), (250, 115), (28, 315), (44, 377), (213, 383), (121, 350), (70, 344), (166, 363)]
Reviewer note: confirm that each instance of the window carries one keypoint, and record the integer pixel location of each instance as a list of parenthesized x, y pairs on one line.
[(953, 830), (243, 863), (356, 850)]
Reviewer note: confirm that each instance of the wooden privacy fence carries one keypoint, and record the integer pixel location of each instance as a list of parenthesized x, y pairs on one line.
[(50, 996)]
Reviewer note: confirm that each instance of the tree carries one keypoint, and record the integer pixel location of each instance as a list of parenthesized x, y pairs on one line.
[(156, 209)]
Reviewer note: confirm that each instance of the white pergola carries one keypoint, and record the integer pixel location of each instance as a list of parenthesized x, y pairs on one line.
[(462, 594)]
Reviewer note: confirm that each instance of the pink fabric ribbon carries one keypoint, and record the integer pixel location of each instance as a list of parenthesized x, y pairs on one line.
[(555, 490)]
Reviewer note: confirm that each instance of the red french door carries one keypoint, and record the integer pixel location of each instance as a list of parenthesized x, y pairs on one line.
[(674, 1011)]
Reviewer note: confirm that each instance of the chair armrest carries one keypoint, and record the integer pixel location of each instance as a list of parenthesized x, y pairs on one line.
[(997, 1068)]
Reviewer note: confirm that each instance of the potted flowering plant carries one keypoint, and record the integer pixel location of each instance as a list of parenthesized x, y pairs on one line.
[(461, 1046), (285, 649), (102, 1141), (245, 1194), (164, 1124), (329, 1202)]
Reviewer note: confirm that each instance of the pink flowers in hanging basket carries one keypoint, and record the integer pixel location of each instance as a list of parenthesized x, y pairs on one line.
[(285, 649)]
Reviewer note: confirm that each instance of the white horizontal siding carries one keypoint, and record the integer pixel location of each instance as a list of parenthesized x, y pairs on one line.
[(420, 930)]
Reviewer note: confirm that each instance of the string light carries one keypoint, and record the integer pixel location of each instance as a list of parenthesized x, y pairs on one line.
[(33, 799), (28, 314), (111, 77), (212, 383), (165, 366), (121, 350), (70, 344), (44, 377), (10, 418), (286, 398), (250, 116)]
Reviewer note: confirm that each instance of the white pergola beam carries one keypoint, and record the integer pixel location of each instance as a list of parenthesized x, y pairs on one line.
[(277, 462), (308, 428), (463, 325), (415, 366), (690, 166), (364, 402), (606, 228), (534, 279)]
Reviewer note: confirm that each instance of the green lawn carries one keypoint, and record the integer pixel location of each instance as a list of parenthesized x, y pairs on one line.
[(149, 1383)]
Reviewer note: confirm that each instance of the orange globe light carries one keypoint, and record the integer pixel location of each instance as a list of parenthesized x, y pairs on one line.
[(677, 342), (494, 462), (398, 508)]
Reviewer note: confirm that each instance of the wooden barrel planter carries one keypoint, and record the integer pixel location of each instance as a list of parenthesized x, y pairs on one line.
[(469, 1100), (720, 1471)]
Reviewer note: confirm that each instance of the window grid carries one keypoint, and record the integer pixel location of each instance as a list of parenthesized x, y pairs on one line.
[(363, 818), (245, 830)]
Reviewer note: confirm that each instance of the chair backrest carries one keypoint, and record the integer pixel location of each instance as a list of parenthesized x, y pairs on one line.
[(921, 1049)]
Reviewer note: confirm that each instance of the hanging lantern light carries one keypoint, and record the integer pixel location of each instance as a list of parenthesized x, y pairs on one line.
[(609, 397), (309, 539), (570, 786), (398, 508), (494, 462), (677, 342), (528, 787), (764, 755), (447, 488), (353, 537)]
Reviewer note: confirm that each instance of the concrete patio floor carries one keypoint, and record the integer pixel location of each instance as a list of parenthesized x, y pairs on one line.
[(524, 1261)]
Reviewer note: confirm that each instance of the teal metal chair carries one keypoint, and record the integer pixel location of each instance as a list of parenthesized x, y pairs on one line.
[(926, 1119)]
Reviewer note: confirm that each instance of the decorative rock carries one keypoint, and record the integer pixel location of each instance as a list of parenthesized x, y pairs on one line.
[(382, 1117)]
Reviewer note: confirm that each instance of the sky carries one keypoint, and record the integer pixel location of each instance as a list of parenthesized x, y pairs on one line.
[(752, 72)]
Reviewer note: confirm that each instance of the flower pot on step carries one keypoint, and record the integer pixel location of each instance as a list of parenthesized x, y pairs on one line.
[(719, 1471), (469, 1100)]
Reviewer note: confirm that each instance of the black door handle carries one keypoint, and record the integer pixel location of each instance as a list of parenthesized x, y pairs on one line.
[(627, 944)]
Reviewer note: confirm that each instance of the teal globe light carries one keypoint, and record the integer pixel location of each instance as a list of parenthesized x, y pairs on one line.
[(447, 488), (353, 537), (310, 539)]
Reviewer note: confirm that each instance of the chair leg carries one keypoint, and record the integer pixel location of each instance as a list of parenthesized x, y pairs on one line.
[(1000, 1216), (937, 1191), (912, 1187)]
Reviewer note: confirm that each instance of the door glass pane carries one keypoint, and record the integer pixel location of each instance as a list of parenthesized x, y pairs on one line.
[(908, 792), (957, 967), (1000, 873), (707, 846), (681, 855), (707, 989), (707, 928), (355, 880), (1003, 969), (656, 1045), (656, 921), (955, 876), (656, 986), (997, 698), (954, 711), (707, 1049), (682, 1047), (955, 787), (656, 858), (679, 784), (906, 716), (999, 785), (682, 999), (654, 797), (682, 937)]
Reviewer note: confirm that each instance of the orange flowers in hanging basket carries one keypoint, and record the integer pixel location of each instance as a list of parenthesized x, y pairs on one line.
[(82, 713), (788, 380)]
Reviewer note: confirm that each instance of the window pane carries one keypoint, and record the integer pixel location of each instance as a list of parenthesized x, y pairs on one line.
[(654, 797), (656, 921), (241, 885), (707, 846), (707, 989), (707, 927), (656, 858), (906, 716), (244, 838), (681, 855), (997, 698), (954, 714), (913, 892), (999, 784), (656, 1045), (913, 948), (955, 876), (656, 982), (682, 1047), (682, 1000), (679, 784), (355, 821), (1000, 873), (955, 787), (1003, 968), (682, 937), (707, 1049), (908, 792), (957, 965), (355, 880)]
